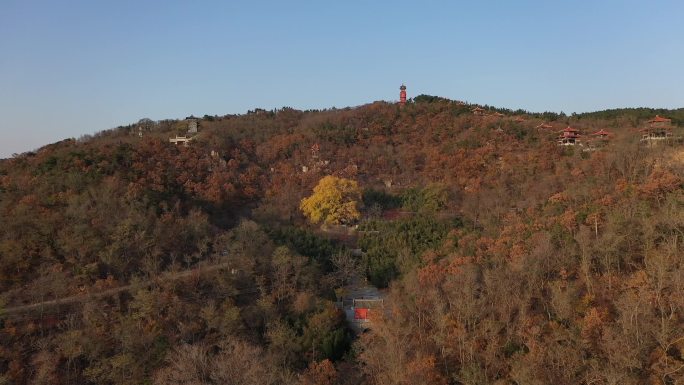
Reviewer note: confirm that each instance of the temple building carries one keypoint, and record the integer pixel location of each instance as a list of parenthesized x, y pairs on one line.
[(658, 128), (602, 134), (569, 137), (192, 124), (544, 126), (402, 95), (479, 111), (598, 139)]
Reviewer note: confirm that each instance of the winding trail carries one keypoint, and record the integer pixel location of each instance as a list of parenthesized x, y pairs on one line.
[(169, 276)]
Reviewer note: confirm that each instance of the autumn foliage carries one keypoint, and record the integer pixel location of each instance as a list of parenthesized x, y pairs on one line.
[(334, 201), (504, 258)]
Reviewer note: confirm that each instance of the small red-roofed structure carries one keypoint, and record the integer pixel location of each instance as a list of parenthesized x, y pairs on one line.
[(479, 111), (598, 139), (360, 314), (602, 134), (659, 128), (569, 137), (402, 95)]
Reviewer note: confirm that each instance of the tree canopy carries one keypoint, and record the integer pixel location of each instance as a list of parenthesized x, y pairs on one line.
[(508, 259), (334, 201)]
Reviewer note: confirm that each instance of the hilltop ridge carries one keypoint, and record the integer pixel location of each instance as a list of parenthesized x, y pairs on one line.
[(629, 116)]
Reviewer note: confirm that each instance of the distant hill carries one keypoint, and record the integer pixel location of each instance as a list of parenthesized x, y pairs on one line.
[(507, 258), (639, 114)]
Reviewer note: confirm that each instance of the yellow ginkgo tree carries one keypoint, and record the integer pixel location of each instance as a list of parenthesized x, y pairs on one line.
[(334, 201)]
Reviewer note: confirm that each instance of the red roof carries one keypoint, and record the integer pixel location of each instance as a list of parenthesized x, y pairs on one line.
[(360, 313), (602, 132), (570, 133), (659, 119)]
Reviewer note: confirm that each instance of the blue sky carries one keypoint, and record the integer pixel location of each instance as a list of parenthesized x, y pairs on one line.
[(69, 68)]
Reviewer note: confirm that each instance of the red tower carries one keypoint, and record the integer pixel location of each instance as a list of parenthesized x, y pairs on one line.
[(402, 95)]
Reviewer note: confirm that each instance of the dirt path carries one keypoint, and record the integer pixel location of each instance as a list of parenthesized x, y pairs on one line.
[(170, 276)]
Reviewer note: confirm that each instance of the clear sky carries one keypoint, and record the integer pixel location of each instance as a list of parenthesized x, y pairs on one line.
[(70, 67)]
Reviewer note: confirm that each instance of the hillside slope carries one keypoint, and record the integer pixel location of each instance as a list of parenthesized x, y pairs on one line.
[(509, 259)]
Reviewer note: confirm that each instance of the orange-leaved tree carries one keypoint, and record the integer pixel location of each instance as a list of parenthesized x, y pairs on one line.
[(334, 201)]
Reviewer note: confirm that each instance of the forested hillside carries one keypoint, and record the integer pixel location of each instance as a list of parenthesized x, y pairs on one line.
[(506, 258)]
